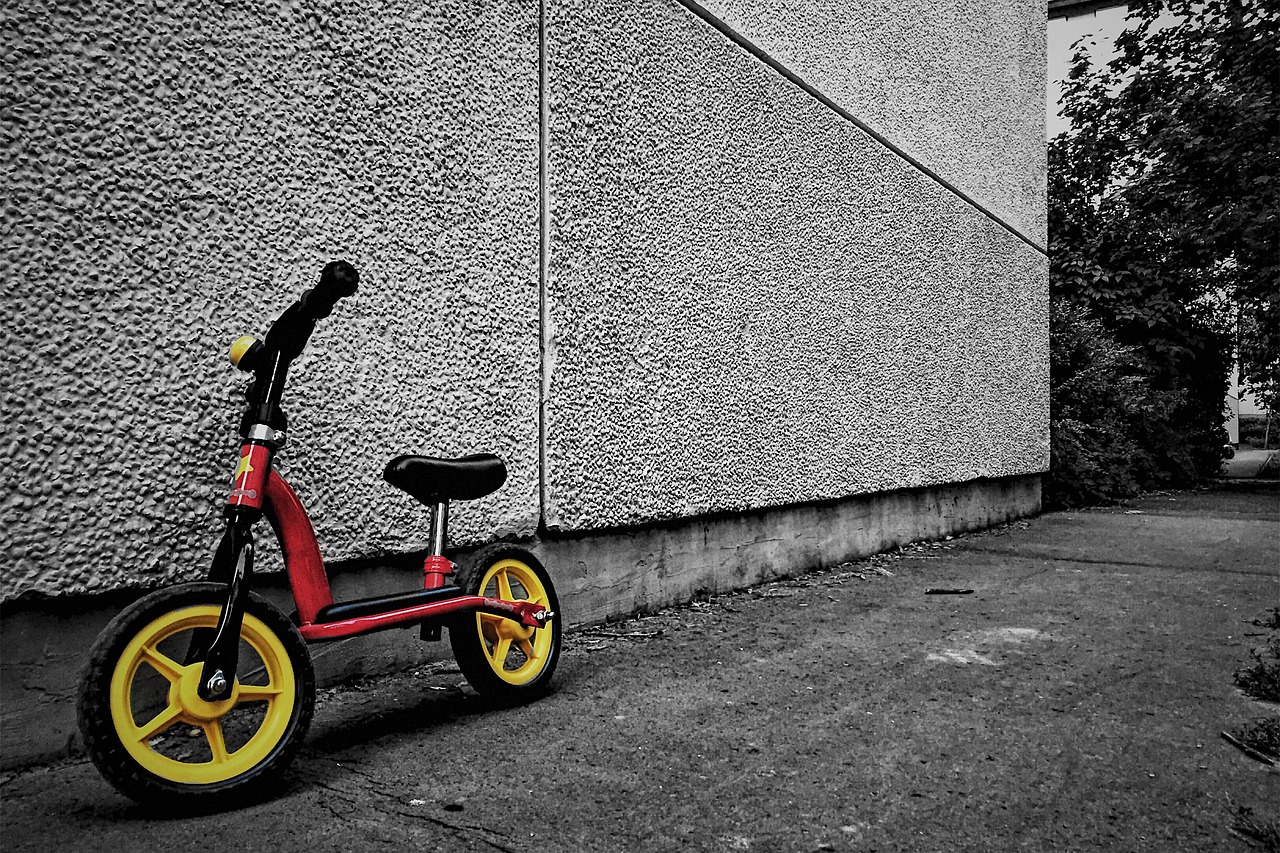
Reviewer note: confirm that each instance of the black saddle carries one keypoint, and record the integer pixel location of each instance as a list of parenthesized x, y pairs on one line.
[(435, 481)]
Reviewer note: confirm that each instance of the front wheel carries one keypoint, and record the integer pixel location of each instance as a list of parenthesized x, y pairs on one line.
[(151, 734), (502, 659)]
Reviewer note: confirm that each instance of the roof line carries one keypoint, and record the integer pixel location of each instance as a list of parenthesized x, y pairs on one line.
[(1067, 8), (759, 53)]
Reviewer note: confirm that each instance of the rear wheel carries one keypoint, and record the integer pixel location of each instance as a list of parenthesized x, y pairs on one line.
[(150, 733), (501, 658)]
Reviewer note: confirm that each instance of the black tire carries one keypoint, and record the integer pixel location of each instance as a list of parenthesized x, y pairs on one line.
[(530, 656), (164, 761)]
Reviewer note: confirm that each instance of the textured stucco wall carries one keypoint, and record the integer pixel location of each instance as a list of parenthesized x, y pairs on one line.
[(747, 302), (754, 303), (174, 175), (960, 86)]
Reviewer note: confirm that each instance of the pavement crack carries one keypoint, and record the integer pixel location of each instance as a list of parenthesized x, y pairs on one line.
[(477, 831), (1099, 561), (391, 804), (1091, 561), (338, 798), (355, 770)]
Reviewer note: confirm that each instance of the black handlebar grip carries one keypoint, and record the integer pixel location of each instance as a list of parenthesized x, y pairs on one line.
[(338, 280)]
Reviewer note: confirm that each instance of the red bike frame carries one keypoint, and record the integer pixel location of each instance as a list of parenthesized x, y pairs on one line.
[(257, 490), (257, 484)]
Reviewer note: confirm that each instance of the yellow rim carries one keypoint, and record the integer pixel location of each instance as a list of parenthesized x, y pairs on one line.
[(203, 721), (516, 653)]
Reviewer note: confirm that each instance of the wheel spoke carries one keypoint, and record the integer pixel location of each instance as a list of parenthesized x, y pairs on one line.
[(258, 693), (500, 651), (504, 587), (489, 625), (527, 647), (217, 744), (163, 664), (159, 723)]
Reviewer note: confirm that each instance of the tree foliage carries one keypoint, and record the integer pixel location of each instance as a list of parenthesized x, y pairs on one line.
[(1169, 198), (1164, 206)]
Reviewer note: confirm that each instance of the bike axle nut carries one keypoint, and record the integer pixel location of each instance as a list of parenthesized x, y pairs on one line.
[(217, 683)]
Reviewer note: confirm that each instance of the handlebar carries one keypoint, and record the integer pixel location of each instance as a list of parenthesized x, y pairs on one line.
[(291, 330), (269, 360), (338, 280)]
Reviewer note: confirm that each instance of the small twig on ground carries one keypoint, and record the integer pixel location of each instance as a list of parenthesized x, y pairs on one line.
[(1263, 735), (1248, 750)]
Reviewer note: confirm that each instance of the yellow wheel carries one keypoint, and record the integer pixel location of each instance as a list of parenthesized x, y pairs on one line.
[(501, 658), (153, 736)]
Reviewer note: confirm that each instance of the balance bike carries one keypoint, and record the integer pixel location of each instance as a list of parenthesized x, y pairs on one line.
[(199, 695)]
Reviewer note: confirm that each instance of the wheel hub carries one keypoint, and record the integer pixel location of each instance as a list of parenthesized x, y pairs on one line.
[(509, 629), (186, 692)]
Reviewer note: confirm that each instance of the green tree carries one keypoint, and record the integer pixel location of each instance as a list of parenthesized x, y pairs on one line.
[(1164, 212)]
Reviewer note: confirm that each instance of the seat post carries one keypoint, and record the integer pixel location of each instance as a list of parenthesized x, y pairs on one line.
[(437, 566), (439, 528)]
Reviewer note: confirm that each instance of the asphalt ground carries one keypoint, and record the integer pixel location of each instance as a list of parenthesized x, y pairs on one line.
[(1073, 700)]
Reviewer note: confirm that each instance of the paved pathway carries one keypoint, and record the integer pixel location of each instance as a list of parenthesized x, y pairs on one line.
[(1072, 702)]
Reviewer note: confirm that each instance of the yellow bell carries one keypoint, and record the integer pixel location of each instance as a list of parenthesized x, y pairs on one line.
[(244, 351)]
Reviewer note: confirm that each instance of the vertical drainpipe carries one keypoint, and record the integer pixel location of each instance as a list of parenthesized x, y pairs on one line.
[(544, 325)]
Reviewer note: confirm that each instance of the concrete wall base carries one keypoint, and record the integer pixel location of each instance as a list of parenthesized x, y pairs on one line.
[(606, 575), (600, 576)]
